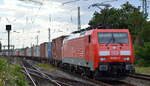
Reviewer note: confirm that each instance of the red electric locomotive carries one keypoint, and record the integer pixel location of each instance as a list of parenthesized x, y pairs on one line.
[(99, 52)]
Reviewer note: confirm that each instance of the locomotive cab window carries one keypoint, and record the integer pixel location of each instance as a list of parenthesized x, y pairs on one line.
[(113, 37)]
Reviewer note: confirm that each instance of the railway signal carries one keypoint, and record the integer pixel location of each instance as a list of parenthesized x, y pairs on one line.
[(8, 28)]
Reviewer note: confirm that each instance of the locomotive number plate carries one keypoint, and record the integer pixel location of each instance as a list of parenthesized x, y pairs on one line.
[(114, 52), (114, 57)]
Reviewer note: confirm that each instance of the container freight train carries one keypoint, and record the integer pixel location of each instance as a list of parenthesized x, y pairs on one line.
[(42, 51), (98, 53)]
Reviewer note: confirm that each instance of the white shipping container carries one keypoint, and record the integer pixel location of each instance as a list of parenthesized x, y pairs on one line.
[(29, 52), (21, 52), (36, 51)]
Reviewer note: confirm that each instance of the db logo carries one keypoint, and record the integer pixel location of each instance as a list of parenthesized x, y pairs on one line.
[(114, 53)]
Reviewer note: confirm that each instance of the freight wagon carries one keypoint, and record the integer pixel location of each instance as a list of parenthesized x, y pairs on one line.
[(45, 50), (29, 52), (56, 49), (17, 52), (36, 50)]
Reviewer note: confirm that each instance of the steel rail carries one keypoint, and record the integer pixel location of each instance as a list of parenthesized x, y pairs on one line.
[(126, 83), (88, 79), (140, 76), (34, 74), (44, 75), (47, 78), (29, 76), (63, 83), (58, 79)]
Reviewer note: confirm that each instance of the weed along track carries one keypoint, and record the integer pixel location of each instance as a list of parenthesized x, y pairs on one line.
[(10, 74)]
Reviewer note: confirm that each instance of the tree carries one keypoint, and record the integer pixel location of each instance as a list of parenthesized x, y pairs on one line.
[(127, 16)]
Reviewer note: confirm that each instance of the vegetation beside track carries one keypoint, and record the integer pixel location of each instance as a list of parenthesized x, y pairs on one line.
[(143, 70), (143, 55), (10, 75), (47, 66)]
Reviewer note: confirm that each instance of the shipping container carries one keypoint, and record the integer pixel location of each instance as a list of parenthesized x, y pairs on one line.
[(29, 52), (56, 48), (36, 50), (32, 51), (1, 53), (17, 52), (4, 53), (42, 50), (25, 51), (22, 53), (45, 50), (49, 49)]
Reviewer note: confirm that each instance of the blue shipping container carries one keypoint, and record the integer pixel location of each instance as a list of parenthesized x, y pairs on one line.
[(49, 50)]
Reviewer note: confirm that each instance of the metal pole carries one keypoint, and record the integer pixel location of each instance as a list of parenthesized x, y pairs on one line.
[(37, 39), (49, 30), (145, 7), (8, 41), (49, 34), (79, 21)]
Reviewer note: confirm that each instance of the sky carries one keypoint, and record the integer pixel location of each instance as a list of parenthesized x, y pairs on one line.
[(30, 20)]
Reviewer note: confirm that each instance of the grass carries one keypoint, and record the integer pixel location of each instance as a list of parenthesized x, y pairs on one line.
[(143, 70), (10, 75), (47, 66)]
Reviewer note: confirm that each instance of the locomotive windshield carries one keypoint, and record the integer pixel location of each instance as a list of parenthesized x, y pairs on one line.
[(113, 37)]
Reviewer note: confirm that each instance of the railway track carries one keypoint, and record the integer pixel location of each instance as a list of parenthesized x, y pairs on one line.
[(140, 76), (31, 70), (35, 74), (119, 83), (100, 82), (63, 81)]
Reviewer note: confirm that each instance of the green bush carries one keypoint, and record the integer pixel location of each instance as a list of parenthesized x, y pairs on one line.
[(143, 55), (10, 75)]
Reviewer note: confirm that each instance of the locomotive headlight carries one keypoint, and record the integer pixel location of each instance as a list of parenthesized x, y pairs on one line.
[(104, 53), (125, 52), (102, 58), (126, 58)]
